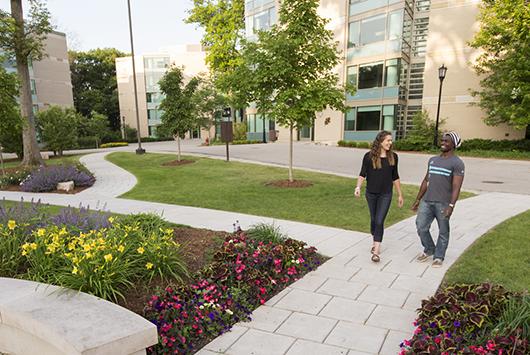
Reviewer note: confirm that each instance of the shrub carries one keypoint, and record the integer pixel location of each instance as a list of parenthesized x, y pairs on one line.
[(58, 128), (522, 145), (266, 233), (515, 317), (420, 137), (80, 220), (30, 215), (364, 145), (244, 273), (87, 142), (240, 131), (46, 178), (12, 236), (459, 320), (114, 144), (350, 144)]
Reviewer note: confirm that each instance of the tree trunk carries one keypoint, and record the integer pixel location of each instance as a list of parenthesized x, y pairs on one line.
[(291, 153), (2, 161), (178, 145), (31, 149)]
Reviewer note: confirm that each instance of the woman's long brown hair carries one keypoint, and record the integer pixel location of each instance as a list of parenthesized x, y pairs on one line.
[(375, 152)]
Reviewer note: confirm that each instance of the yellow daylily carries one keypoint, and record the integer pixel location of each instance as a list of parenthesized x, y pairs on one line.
[(11, 224), (121, 248), (41, 232), (140, 250), (149, 266), (108, 257), (75, 270)]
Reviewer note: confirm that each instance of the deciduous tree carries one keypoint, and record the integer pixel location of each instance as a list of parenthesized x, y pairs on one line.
[(58, 128), (504, 36), (10, 121), (24, 41)]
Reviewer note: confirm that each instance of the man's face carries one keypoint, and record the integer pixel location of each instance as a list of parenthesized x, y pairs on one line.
[(446, 144)]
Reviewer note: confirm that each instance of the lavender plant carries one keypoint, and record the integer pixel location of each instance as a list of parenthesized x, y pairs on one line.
[(46, 178), (81, 220)]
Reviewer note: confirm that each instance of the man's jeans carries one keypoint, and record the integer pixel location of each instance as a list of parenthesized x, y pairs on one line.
[(427, 212)]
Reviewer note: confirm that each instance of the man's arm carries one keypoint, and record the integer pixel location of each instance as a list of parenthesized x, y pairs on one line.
[(457, 185), (423, 189)]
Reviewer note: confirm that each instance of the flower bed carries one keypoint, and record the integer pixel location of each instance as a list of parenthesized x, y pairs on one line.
[(127, 259), (46, 178), (472, 319), (244, 274)]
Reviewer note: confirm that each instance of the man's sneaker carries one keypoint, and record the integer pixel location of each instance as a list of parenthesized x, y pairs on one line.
[(423, 257), (437, 263)]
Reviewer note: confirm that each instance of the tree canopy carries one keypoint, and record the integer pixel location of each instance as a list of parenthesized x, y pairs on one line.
[(504, 37), (10, 120), (94, 83), (58, 128)]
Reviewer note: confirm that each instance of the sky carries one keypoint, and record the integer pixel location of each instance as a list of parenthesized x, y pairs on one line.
[(91, 24)]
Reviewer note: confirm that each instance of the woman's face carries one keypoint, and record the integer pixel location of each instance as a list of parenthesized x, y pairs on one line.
[(387, 143)]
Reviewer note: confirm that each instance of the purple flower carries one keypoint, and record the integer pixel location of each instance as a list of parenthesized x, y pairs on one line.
[(456, 323), (433, 325)]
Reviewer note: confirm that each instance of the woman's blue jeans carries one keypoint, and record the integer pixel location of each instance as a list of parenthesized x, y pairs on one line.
[(427, 212), (378, 205)]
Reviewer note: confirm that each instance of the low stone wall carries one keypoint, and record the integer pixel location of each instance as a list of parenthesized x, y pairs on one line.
[(39, 319)]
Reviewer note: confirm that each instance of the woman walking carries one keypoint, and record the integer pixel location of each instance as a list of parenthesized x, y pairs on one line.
[(380, 170)]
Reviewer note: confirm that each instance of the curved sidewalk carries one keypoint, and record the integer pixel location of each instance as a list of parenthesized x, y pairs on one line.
[(349, 305)]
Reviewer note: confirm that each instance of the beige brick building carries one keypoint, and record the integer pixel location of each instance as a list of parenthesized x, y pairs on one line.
[(392, 50), (150, 68)]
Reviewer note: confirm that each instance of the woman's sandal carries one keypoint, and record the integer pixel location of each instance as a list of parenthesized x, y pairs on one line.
[(375, 258)]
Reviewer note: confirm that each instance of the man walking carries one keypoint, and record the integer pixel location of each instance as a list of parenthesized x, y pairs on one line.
[(437, 197)]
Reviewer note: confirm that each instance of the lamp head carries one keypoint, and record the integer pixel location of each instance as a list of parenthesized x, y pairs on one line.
[(442, 71)]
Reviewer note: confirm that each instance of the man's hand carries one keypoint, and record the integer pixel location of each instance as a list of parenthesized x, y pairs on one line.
[(415, 206), (448, 212)]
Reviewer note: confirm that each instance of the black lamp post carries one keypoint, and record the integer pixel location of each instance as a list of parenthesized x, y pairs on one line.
[(441, 75), (139, 150)]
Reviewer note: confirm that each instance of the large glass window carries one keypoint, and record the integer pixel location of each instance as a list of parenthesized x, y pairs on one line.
[(349, 122), (371, 75), (156, 62), (373, 29), (368, 118), (33, 87), (392, 72), (353, 36), (388, 117), (395, 24)]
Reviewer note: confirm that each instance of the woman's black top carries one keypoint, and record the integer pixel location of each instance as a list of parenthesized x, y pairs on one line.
[(379, 181)]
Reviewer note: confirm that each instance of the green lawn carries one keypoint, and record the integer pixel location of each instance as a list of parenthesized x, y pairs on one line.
[(240, 187), (500, 256), (53, 161)]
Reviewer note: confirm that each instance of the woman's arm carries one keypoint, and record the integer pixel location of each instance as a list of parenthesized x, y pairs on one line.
[(397, 185)]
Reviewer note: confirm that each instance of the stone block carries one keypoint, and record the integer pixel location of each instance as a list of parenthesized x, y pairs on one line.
[(357, 337), (305, 326), (66, 186), (303, 301), (347, 310)]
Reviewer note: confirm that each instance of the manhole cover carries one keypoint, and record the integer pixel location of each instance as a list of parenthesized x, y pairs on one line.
[(493, 182)]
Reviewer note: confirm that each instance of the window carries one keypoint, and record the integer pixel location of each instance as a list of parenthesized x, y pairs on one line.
[(261, 21), (353, 39), (371, 75), (33, 87), (388, 117), (368, 118), (392, 72), (395, 23), (373, 29), (156, 62), (352, 75), (349, 122)]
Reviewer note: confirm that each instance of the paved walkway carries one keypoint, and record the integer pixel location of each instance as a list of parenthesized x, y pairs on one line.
[(349, 305)]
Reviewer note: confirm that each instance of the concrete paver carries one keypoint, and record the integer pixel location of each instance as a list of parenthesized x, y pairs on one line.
[(306, 326), (366, 308)]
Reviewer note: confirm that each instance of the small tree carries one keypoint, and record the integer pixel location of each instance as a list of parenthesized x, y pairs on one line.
[(505, 64), (58, 128), (179, 105), (24, 41), (96, 126), (289, 70), (10, 120), (208, 101), (420, 136)]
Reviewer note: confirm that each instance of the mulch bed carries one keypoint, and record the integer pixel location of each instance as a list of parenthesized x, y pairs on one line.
[(76, 190), (178, 163), (285, 184), (197, 246)]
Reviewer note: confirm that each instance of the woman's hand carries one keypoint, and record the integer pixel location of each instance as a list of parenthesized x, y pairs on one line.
[(400, 201), (357, 192)]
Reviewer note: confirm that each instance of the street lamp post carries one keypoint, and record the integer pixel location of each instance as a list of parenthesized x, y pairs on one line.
[(139, 150), (441, 75)]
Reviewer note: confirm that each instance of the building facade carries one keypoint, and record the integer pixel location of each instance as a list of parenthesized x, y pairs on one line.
[(150, 68), (391, 51), (50, 77)]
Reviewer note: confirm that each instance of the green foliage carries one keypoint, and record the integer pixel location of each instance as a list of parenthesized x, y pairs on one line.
[(504, 64), (14, 177), (94, 83), (95, 126), (266, 233), (240, 131), (209, 101), (10, 120), (147, 222), (364, 145), (129, 132), (178, 104), (522, 145), (25, 41), (515, 317), (350, 144), (223, 22), (420, 137), (58, 128)]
